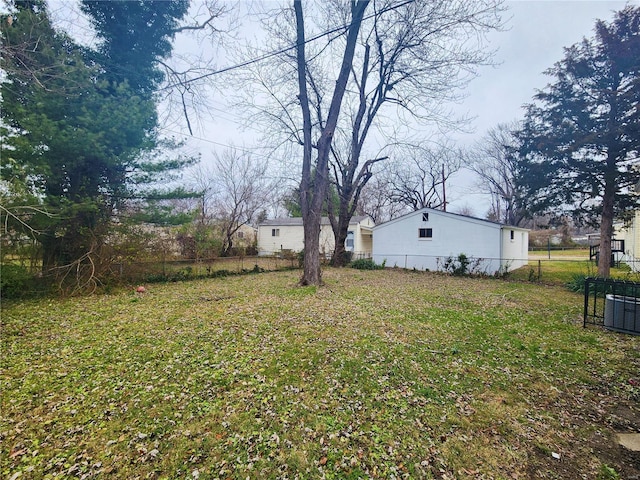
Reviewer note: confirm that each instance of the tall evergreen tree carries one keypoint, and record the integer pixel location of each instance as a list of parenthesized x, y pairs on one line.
[(134, 35), (82, 139), (581, 138)]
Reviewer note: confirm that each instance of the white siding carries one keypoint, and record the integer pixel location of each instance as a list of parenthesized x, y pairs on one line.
[(630, 233), (515, 248), (399, 244), (291, 237), (363, 240)]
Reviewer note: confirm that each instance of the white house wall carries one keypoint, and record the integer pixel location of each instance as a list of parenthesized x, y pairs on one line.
[(291, 237), (515, 248), (397, 242), (286, 238), (363, 240), (327, 240), (630, 233)]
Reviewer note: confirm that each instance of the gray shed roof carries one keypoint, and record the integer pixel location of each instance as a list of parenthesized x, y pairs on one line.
[(293, 221)]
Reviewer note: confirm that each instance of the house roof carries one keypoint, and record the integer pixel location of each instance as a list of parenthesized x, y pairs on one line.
[(442, 212), (293, 221)]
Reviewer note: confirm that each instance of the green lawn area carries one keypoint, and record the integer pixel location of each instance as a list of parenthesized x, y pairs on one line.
[(559, 253), (564, 266), (560, 272), (378, 374)]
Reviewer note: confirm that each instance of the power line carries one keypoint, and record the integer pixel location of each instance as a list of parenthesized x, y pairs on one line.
[(282, 50), (246, 150), (219, 144), (340, 28)]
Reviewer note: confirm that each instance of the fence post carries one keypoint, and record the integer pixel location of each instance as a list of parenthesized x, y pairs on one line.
[(587, 283), (539, 269)]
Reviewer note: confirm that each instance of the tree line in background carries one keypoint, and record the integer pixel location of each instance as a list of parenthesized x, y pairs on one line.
[(85, 171)]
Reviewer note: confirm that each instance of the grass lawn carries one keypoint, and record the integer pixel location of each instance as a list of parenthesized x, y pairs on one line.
[(560, 253), (564, 267), (378, 374)]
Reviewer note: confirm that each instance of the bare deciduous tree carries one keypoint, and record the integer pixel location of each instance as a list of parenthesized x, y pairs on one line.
[(243, 190), (203, 180), (494, 160), (314, 181), (410, 58), (235, 189), (419, 177), (376, 200)]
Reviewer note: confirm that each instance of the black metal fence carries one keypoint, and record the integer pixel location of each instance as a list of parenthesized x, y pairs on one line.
[(613, 304)]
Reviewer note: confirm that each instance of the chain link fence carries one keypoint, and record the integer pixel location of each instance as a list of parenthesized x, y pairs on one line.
[(199, 268)]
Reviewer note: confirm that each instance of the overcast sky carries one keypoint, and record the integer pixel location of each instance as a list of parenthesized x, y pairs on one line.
[(536, 33)]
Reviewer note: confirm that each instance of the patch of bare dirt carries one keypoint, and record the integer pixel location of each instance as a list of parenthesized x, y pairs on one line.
[(596, 454)]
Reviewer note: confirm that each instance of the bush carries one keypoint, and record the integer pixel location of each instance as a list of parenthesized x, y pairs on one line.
[(347, 256), (457, 266), (577, 282), (15, 281), (366, 264), (463, 265)]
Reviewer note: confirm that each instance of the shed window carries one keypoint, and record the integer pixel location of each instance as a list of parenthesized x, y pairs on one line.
[(275, 232), (425, 216), (425, 233), (513, 235)]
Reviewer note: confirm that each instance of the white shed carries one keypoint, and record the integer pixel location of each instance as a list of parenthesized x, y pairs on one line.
[(425, 239)]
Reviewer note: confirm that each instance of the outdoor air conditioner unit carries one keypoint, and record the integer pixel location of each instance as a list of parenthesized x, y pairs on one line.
[(622, 313)]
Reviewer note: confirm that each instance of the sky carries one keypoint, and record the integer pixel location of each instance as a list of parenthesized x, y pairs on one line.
[(534, 35), (533, 38)]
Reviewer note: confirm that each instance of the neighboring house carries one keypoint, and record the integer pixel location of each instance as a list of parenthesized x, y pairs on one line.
[(626, 237), (245, 237), (287, 235), (425, 239)]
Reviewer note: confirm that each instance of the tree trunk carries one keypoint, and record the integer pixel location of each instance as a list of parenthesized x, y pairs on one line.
[(340, 255), (350, 191), (606, 223), (312, 271), (50, 251), (340, 228), (310, 220), (227, 247), (604, 260), (610, 187), (313, 190)]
